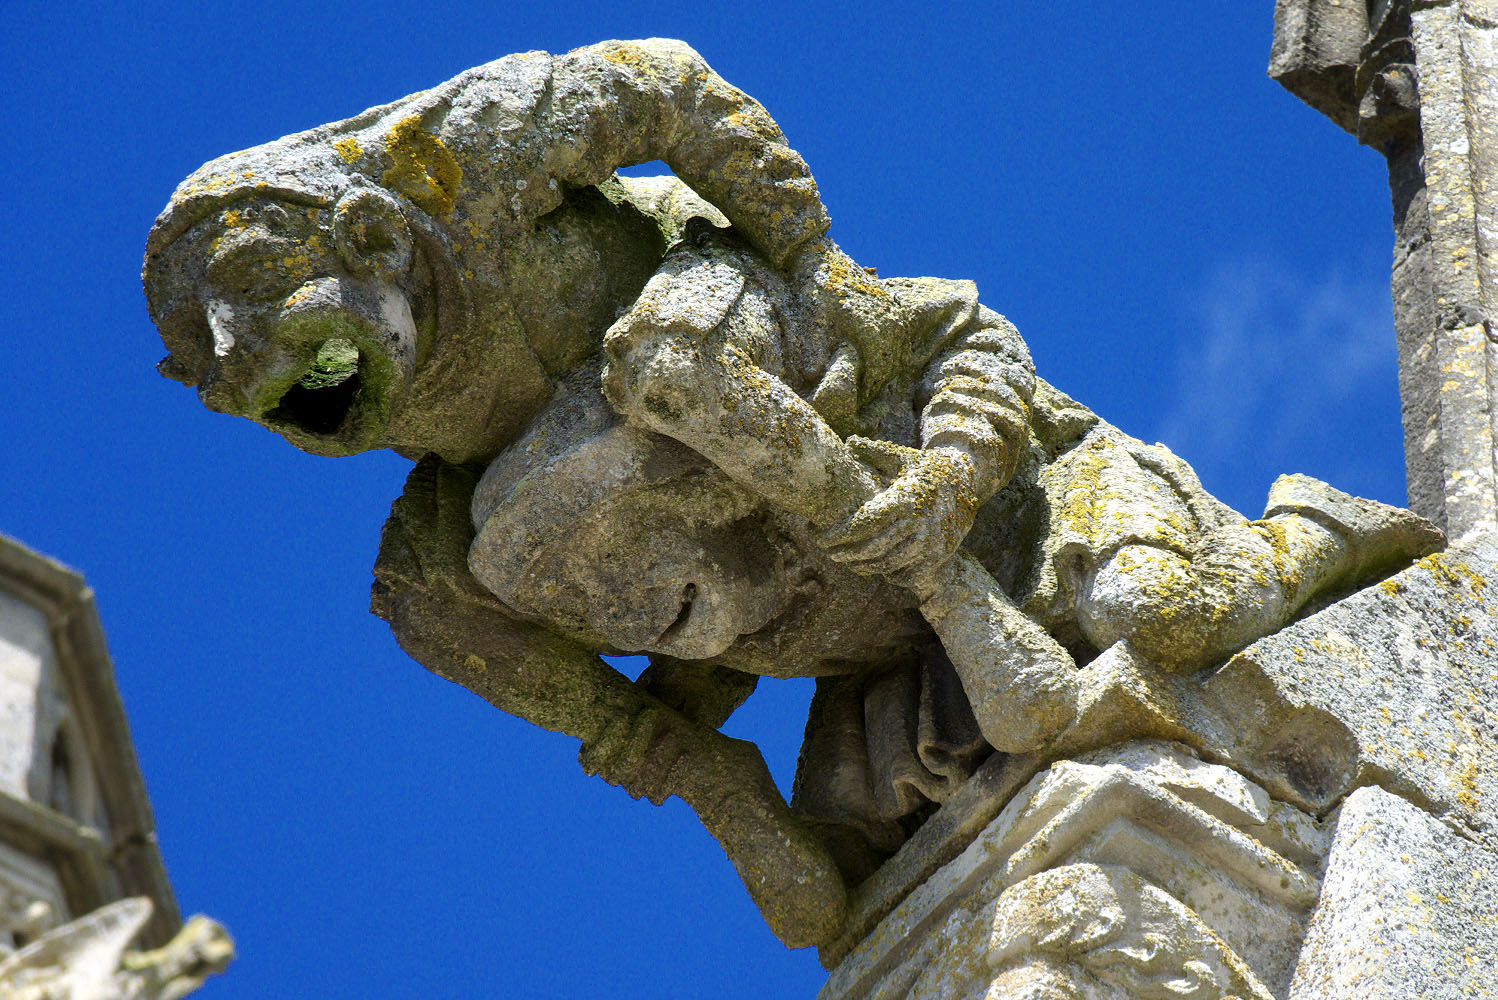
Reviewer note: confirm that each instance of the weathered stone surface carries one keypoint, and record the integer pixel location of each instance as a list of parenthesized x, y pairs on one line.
[(1456, 51), (455, 627), (1408, 908), (1316, 52), (1416, 82), (32, 899), (935, 842), (77, 852), (31, 703), (1309, 712), (1102, 931), (1391, 692), (1394, 686), (76, 829)]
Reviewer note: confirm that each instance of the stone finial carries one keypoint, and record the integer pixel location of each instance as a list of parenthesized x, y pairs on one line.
[(1414, 80)]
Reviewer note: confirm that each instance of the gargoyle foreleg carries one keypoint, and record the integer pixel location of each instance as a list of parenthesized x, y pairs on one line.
[(447, 621), (1019, 680)]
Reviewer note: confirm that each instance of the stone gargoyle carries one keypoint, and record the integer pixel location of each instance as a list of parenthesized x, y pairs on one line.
[(670, 416), (91, 958)]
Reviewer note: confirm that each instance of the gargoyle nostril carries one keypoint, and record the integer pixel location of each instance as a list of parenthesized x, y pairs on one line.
[(688, 598)]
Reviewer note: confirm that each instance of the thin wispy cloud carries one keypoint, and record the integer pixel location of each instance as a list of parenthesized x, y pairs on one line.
[(1289, 373)]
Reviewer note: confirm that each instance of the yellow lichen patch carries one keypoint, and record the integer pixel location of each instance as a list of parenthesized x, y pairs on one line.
[(234, 220), (300, 295), (1274, 532), (1454, 575), (841, 275), (1084, 501), (767, 425), (753, 121), (741, 163), (209, 185), (625, 56), (641, 64), (1467, 786), (348, 148), (1460, 366), (1391, 587), (424, 169), (724, 91)]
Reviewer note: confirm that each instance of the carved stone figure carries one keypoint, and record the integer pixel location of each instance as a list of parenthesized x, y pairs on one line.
[(88, 958), (727, 446)]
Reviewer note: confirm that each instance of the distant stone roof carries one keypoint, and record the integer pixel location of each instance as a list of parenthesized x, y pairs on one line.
[(112, 854)]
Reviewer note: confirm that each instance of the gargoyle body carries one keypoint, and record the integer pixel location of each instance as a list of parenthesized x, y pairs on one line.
[(671, 417)]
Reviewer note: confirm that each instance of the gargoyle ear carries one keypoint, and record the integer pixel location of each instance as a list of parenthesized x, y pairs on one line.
[(372, 234)]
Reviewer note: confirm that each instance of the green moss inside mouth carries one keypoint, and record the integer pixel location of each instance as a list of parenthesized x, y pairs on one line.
[(337, 361), (327, 393)]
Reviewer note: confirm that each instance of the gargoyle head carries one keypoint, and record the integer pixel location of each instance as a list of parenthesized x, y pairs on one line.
[(308, 318), (418, 276), (304, 284)]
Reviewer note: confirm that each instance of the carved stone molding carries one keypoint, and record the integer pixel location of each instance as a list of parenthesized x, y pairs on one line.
[(1116, 874)]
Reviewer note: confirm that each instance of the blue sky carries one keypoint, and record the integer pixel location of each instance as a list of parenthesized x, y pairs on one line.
[(1185, 247)]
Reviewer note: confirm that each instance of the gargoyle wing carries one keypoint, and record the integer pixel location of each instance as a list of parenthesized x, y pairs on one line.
[(89, 949)]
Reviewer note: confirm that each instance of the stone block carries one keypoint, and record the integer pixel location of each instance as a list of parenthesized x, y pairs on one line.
[(1394, 686), (1408, 908)]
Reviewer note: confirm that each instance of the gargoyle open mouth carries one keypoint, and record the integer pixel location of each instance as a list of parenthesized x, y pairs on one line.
[(326, 398)]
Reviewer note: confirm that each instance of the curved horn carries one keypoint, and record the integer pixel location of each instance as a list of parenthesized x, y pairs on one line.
[(616, 104)]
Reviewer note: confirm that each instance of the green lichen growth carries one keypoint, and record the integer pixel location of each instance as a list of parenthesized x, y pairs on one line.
[(337, 361)]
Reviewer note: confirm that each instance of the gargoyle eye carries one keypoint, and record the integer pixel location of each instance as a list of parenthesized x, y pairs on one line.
[(372, 234)]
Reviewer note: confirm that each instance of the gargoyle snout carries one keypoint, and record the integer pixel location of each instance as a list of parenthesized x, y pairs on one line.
[(362, 309), (219, 393)]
